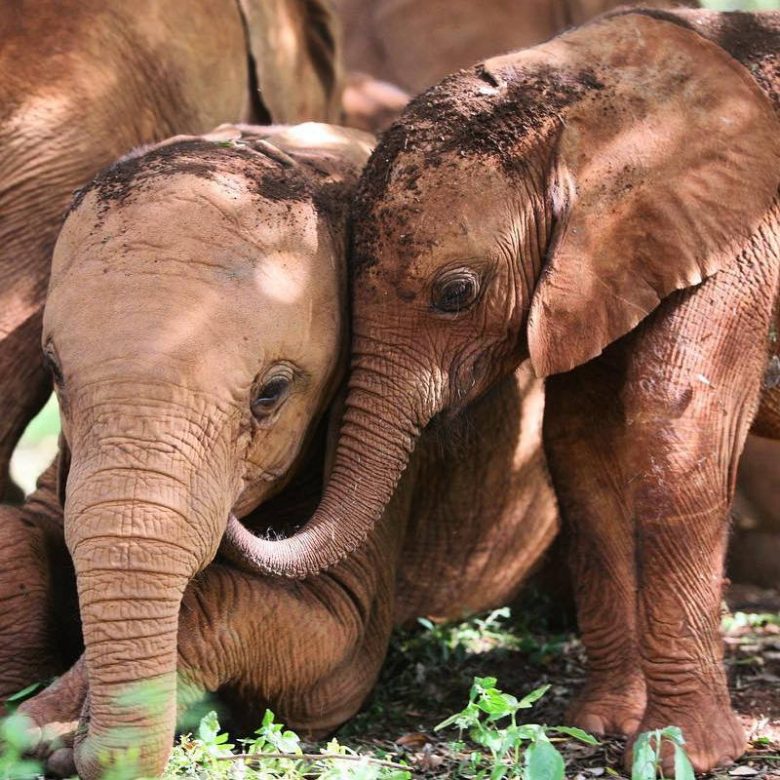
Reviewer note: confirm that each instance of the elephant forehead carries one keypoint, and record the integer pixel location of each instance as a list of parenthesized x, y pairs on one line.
[(442, 214), (184, 330), (187, 225)]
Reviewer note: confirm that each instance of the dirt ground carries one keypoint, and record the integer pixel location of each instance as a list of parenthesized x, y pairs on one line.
[(429, 672)]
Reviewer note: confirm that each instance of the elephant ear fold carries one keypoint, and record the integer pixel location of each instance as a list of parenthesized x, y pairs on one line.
[(664, 169), (340, 150), (295, 51)]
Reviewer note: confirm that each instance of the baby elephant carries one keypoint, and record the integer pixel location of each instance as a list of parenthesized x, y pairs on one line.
[(194, 330), (605, 204)]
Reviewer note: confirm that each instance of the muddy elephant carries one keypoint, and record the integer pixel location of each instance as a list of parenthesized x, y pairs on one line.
[(415, 43), (83, 82), (194, 331), (604, 205)]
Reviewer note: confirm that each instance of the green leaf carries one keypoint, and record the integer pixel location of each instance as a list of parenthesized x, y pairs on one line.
[(496, 704), (25, 693), (643, 765), (15, 732), (673, 734), (682, 764), (208, 729), (573, 731), (543, 761), (528, 701)]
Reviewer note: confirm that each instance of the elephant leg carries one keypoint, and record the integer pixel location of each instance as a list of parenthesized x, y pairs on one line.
[(311, 651), (39, 632), (579, 442), (24, 387), (54, 715), (692, 384)]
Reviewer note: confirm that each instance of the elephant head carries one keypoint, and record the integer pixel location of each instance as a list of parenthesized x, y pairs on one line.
[(538, 205), (194, 332)]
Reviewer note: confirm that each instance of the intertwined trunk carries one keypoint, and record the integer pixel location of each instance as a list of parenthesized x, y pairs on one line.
[(385, 408)]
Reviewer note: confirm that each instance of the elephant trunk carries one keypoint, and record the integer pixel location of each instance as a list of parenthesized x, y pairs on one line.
[(129, 540), (378, 432)]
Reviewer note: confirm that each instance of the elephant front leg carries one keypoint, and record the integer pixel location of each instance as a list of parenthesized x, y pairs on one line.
[(682, 537), (693, 372), (311, 651), (54, 717), (38, 612), (600, 536)]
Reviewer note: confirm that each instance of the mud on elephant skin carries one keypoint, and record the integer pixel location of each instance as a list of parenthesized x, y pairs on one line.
[(84, 81), (631, 252)]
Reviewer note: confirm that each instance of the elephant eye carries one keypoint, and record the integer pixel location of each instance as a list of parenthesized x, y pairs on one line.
[(270, 395), (52, 364), (456, 292)]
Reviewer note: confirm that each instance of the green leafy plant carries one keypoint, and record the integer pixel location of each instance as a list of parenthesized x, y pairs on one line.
[(513, 750), (275, 753), (14, 741), (647, 755)]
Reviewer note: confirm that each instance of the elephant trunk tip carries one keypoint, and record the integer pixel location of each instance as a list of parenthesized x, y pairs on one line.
[(307, 553)]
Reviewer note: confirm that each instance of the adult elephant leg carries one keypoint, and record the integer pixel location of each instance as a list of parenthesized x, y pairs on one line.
[(24, 386), (587, 474), (691, 391), (39, 627)]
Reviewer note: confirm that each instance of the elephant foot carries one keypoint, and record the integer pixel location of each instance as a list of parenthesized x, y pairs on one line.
[(54, 714), (613, 707), (713, 736)]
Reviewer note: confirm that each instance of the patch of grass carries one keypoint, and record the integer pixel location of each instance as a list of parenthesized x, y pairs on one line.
[(272, 754)]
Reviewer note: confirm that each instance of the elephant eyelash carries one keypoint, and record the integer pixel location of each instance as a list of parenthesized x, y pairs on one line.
[(274, 390), (52, 365)]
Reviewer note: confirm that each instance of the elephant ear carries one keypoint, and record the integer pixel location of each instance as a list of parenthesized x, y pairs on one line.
[(295, 52), (665, 167), (346, 149)]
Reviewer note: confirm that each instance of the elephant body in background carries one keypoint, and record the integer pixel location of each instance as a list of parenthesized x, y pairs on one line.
[(605, 205), (193, 329), (415, 43), (82, 82)]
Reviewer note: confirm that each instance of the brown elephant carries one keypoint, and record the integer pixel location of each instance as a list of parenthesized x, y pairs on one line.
[(84, 81), (606, 205), (415, 43), (194, 331)]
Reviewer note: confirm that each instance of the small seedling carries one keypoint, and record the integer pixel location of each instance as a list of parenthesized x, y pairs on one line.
[(275, 753), (514, 751), (647, 755)]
